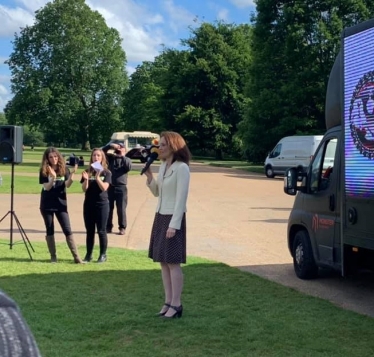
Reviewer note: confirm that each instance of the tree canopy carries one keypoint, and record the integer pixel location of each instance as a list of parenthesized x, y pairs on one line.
[(294, 46), (198, 91), (68, 74)]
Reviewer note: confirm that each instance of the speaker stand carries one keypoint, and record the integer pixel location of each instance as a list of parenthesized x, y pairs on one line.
[(14, 218)]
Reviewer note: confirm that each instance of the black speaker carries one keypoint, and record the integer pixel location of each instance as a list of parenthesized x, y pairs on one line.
[(11, 144)]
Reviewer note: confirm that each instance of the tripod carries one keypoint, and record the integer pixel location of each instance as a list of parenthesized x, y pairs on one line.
[(14, 217)]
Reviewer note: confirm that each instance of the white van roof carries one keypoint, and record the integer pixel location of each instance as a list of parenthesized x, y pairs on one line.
[(302, 137)]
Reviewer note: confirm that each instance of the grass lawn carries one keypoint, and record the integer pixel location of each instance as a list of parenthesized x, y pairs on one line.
[(109, 310)]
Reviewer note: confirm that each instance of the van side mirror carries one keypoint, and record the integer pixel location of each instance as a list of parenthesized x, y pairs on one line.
[(290, 181)]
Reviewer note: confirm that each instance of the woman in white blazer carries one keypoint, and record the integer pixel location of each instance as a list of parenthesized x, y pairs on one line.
[(168, 237)]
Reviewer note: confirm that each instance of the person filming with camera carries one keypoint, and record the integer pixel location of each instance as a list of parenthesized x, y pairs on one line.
[(119, 165)]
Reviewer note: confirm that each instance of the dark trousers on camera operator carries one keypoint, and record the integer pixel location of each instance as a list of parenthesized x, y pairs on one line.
[(118, 196), (95, 217), (119, 165)]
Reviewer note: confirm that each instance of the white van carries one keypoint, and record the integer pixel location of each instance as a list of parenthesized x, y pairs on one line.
[(291, 151)]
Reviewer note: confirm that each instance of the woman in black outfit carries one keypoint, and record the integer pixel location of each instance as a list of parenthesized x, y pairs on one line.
[(95, 184), (55, 178)]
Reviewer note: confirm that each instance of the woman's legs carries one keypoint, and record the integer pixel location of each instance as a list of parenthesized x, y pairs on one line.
[(166, 281), (176, 277), (172, 279), (63, 219), (48, 222), (102, 213), (89, 223), (50, 230)]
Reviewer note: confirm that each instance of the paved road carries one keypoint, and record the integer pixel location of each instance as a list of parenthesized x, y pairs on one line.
[(233, 217)]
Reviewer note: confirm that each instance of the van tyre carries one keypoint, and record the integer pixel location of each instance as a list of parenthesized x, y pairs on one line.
[(303, 260), (269, 172)]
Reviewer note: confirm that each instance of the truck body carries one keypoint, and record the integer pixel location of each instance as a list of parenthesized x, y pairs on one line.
[(291, 151), (331, 223), (133, 139)]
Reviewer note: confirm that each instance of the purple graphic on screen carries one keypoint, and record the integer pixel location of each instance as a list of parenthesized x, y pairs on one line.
[(359, 114)]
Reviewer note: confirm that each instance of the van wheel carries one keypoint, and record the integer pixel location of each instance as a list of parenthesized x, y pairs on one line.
[(269, 172), (303, 261)]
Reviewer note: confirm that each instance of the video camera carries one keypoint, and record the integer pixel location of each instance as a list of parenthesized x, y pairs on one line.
[(147, 150), (75, 160), (116, 152)]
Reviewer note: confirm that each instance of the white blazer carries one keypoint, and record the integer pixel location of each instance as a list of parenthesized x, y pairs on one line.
[(171, 188)]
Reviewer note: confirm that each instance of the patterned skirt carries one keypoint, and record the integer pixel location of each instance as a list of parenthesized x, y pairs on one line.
[(167, 250)]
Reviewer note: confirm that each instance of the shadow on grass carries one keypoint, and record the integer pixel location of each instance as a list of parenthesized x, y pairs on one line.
[(109, 310)]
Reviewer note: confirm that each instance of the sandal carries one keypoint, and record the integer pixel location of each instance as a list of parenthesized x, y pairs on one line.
[(162, 313)]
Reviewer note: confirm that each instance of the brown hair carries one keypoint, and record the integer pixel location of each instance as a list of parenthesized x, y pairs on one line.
[(178, 146), (104, 162), (45, 162)]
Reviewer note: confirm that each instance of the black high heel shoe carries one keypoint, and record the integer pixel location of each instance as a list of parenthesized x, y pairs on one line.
[(178, 312), (163, 313)]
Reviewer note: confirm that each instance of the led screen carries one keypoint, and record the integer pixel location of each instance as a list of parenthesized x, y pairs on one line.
[(359, 113)]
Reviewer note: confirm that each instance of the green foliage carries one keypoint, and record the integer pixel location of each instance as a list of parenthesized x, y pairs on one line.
[(33, 137), (204, 128), (142, 100), (212, 85), (197, 91), (3, 120), (294, 46), (68, 74)]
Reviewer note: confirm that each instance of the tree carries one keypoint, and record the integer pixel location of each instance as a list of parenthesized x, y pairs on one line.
[(142, 100), (205, 91), (294, 45), (32, 137), (3, 120), (68, 74)]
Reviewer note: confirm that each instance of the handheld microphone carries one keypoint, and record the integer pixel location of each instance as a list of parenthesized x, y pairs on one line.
[(151, 158)]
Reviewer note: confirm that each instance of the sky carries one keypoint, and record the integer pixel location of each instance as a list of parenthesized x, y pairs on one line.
[(144, 25)]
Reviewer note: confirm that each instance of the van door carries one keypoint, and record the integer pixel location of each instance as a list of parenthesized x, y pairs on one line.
[(288, 154), (275, 157), (322, 202)]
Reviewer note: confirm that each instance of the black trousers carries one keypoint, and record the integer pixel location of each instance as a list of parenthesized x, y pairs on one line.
[(117, 194), (96, 216), (63, 219)]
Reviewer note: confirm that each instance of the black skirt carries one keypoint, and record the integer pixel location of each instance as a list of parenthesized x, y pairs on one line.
[(167, 250)]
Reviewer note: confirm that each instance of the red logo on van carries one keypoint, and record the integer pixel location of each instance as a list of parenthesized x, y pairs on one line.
[(321, 223)]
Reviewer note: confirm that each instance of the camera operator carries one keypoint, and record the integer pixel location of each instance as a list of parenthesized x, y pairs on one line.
[(119, 165)]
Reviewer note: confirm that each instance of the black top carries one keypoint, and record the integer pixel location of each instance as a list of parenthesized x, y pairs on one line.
[(94, 194), (55, 198), (119, 166)]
